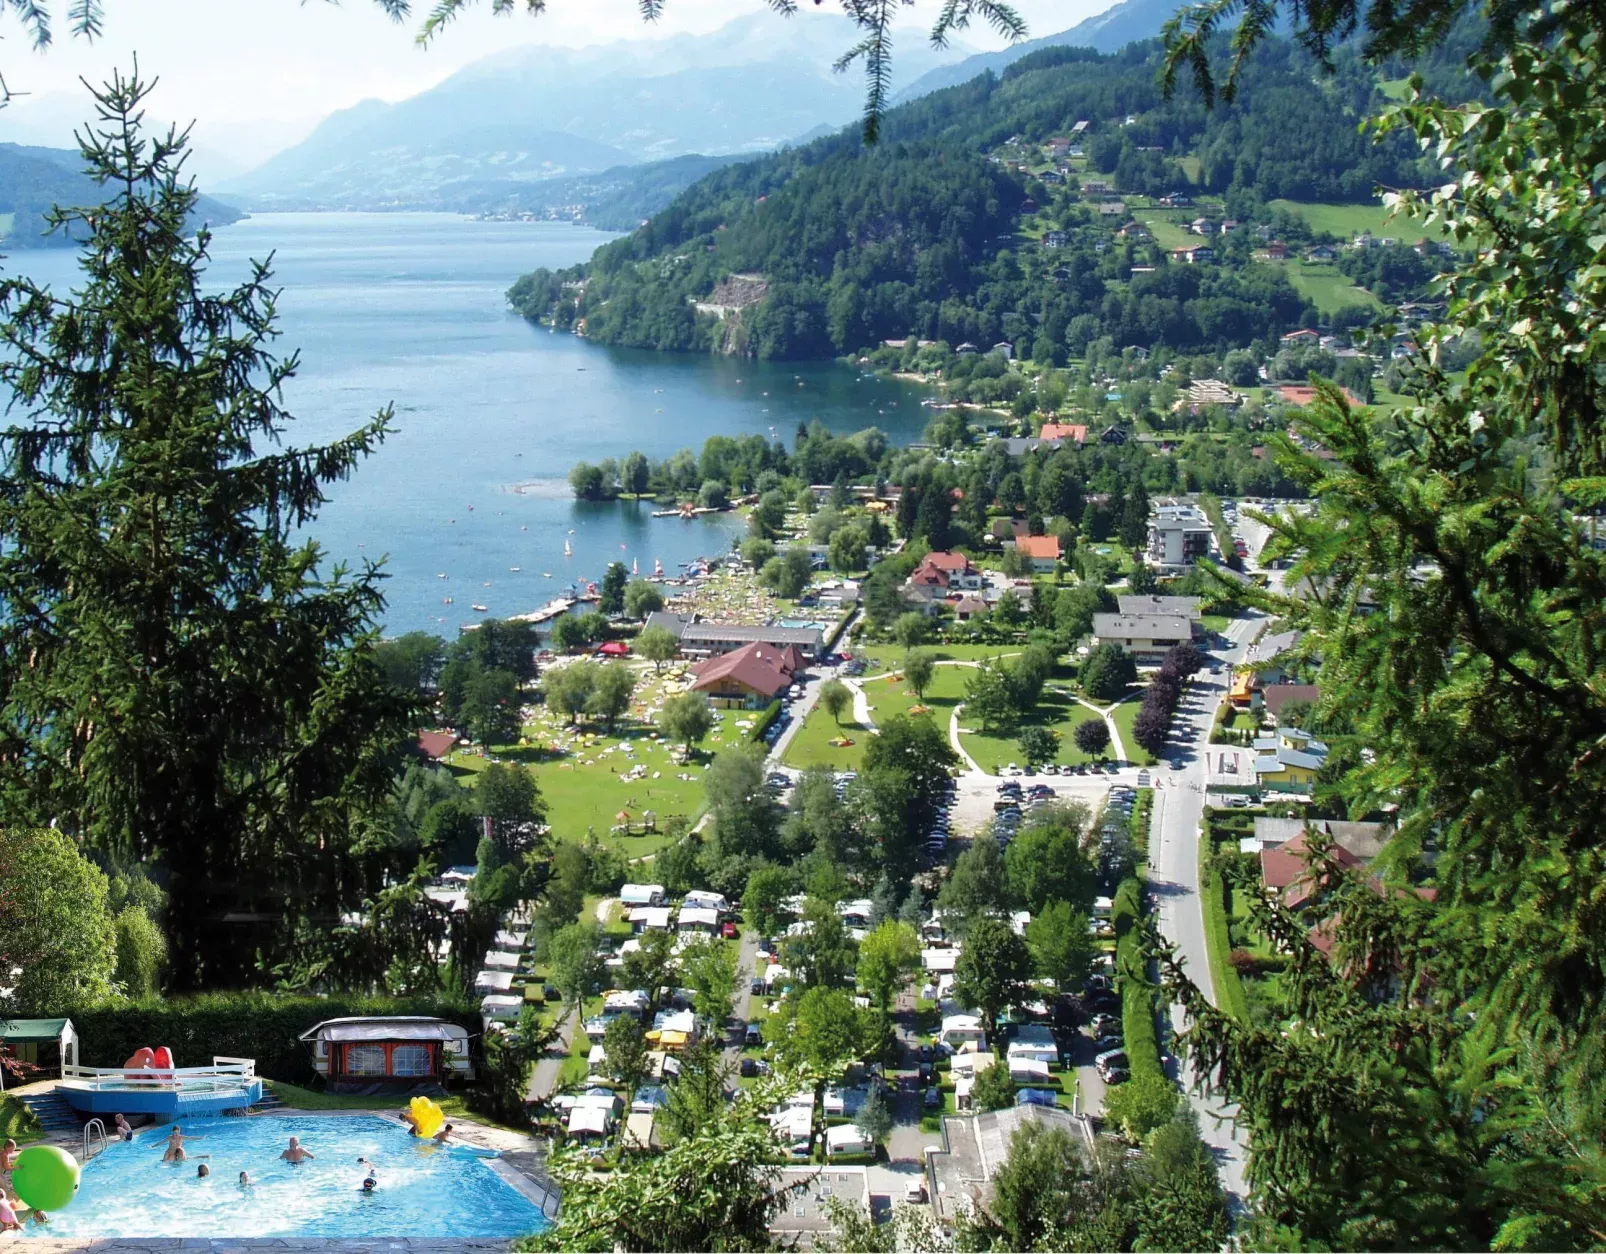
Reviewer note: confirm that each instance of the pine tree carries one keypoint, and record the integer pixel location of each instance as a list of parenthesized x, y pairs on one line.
[(178, 681)]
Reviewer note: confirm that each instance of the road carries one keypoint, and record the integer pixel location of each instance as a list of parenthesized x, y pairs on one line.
[(1174, 874)]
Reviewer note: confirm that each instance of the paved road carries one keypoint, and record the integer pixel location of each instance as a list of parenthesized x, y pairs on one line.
[(544, 1076), (1174, 873)]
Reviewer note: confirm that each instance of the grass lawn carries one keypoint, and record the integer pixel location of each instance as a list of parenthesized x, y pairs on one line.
[(1348, 221), (1216, 623), (885, 657), (1055, 711), (581, 771), (812, 746), (1125, 715), (1166, 227), (1328, 287)]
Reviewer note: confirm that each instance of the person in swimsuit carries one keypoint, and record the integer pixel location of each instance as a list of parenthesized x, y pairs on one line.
[(202, 1172), (8, 1217), (245, 1180), (295, 1155), (175, 1152), (8, 1157), (123, 1130), (440, 1137)]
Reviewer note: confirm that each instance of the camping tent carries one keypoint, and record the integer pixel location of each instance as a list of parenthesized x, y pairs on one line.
[(22, 1037)]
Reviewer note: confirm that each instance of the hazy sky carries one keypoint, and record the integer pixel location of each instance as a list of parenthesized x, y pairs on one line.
[(234, 64)]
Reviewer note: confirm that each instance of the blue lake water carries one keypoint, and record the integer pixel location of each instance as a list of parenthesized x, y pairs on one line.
[(492, 412), (425, 1190)]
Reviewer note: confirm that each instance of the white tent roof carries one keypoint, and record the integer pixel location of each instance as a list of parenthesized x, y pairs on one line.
[(1031, 1068), (706, 900), (501, 961), (795, 1122), (940, 960), (650, 916), (494, 981), (699, 916), (588, 1119), (961, 1023), (501, 1006), (511, 940), (843, 1136)]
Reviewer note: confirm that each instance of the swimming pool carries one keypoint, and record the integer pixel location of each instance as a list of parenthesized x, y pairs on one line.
[(425, 1190)]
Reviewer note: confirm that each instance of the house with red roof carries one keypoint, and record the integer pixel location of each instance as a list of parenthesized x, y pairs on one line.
[(939, 574), (748, 678), (1075, 432), (1286, 869), (435, 745), (1042, 551)]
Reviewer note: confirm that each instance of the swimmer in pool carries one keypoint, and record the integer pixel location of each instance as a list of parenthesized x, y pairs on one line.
[(202, 1172), (406, 1116), (245, 1180), (295, 1155), (369, 1184), (440, 1137), (175, 1146), (8, 1156)]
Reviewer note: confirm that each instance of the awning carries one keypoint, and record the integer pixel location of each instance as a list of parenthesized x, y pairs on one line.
[(21, 1030), (390, 1030)]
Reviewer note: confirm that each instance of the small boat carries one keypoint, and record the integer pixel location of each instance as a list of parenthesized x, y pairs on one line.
[(446, 600), (478, 609), (567, 551), (441, 575), (546, 574), (514, 569)]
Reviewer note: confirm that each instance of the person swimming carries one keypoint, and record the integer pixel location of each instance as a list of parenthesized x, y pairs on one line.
[(175, 1146), (440, 1137), (406, 1116), (294, 1154), (369, 1184), (202, 1172), (245, 1180)]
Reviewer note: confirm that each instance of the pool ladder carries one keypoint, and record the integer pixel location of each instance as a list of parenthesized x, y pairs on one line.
[(98, 1129)]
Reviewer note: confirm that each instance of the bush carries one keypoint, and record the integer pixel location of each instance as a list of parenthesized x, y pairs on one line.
[(771, 712), (263, 1026), (1137, 995)]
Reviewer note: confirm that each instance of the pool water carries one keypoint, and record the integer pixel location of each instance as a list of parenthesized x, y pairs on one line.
[(425, 1190)]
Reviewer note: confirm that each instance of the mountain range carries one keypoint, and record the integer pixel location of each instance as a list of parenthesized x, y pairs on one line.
[(33, 180), (538, 113)]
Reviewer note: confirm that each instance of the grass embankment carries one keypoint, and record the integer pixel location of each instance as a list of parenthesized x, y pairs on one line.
[(1348, 221), (1126, 715), (1328, 287), (298, 1098)]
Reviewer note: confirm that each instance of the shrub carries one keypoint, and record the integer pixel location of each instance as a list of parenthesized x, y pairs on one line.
[(263, 1026)]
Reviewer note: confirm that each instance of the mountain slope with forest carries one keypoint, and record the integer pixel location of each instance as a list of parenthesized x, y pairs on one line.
[(984, 216), (34, 180)]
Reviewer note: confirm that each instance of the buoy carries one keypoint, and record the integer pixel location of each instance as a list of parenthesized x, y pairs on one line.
[(45, 1177)]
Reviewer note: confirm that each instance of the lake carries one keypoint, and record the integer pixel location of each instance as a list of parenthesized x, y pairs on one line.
[(491, 412)]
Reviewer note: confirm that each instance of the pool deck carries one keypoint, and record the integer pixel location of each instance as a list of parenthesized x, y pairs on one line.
[(522, 1166)]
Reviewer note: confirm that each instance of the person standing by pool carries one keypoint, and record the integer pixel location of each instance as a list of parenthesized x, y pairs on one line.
[(123, 1130), (8, 1158), (295, 1155), (8, 1217), (406, 1116)]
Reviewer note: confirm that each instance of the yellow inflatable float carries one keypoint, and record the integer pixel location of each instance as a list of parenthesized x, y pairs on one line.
[(427, 1116)]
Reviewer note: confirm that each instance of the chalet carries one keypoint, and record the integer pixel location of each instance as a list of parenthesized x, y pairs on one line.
[(1051, 178), (1057, 145), (1139, 353), (434, 745), (1276, 251), (1321, 253), (1112, 435), (1133, 231), (1096, 187), (1193, 256), (1075, 432), (1003, 349), (748, 678), (1042, 551), (1202, 226), (965, 349), (1055, 239), (1080, 128), (940, 573), (1230, 225), (1302, 337)]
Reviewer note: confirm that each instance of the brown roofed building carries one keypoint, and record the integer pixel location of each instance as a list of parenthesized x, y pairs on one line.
[(1075, 432), (747, 678), (1286, 869), (436, 745), (1042, 551), (1275, 697)]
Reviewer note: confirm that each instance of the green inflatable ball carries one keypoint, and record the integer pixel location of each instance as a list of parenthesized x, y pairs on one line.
[(45, 1177)]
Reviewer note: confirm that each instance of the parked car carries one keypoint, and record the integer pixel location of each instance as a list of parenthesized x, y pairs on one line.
[(928, 1073), (728, 930), (749, 1067), (1106, 1043), (1115, 1075), (1111, 1058), (933, 1099), (756, 988), (1104, 1024), (753, 1036)]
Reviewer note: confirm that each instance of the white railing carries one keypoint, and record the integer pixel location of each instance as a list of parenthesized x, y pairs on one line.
[(225, 1075)]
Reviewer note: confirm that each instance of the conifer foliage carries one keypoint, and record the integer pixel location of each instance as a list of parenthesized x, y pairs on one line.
[(178, 681)]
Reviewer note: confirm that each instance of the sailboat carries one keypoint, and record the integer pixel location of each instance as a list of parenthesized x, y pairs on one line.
[(635, 567), (567, 551), (657, 569)]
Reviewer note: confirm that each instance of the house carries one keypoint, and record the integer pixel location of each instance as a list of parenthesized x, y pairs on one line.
[(1097, 186), (1003, 349), (1321, 253), (1263, 655), (1139, 353), (1363, 840), (1229, 226), (1276, 251), (1277, 697), (938, 573), (1179, 534), (1146, 636), (1042, 551), (1176, 200), (975, 1147), (435, 745), (966, 349), (1180, 607), (1055, 239), (1288, 761), (1112, 435), (1285, 869), (1075, 432), (1244, 694), (642, 895), (1080, 128), (1133, 231), (747, 679), (1306, 337), (1195, 255)]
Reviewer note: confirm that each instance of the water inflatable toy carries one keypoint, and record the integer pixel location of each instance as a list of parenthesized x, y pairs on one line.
[(45, 1177), (427, 1116)]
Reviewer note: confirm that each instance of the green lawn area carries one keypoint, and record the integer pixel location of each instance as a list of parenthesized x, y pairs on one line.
[(1055, 711), (1166, 227), (1215, 623), (1395, 88), (1328, 287), (884, 657), (298, 1098), (1348, 221), (887, 697), (1125, 715), (582, 772), (812, 746)]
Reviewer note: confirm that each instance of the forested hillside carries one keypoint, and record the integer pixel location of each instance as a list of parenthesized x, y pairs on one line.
[(953, 228)]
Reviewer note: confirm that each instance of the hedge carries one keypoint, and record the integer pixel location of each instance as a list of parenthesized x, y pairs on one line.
[(263, 1026), (1140, 825), (771, 712), (1137, 995), (1230, 997)]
